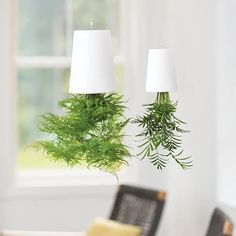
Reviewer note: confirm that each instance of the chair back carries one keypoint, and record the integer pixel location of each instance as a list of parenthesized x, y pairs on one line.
[(139, 206), (220, 224)]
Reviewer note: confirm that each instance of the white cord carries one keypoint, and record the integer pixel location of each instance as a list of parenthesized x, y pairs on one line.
[(91, 14)]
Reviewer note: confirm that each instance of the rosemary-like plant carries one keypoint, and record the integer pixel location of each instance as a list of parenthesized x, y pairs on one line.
[(161, 128), (90, 133)]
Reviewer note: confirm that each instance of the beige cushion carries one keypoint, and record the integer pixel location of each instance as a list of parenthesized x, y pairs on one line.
[(104, 227)]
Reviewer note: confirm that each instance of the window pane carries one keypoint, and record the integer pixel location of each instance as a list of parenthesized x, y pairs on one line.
[(45, 28), (41, 27), (105, 14), (39, 91)]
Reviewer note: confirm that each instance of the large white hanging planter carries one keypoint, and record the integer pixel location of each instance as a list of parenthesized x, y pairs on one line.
[(92, 66)]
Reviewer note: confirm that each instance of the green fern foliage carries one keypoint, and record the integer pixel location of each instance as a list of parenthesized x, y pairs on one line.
[(161, 128), (90, 132)]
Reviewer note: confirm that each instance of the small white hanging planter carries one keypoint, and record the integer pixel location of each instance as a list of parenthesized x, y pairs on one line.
[(161, 75), (161, 128)]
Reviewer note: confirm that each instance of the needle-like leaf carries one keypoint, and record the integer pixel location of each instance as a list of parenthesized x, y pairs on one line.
[(89, 133), (161, 129)]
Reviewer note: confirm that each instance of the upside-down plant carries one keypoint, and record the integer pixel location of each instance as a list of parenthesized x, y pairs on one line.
[(90, 132), (161, 134)]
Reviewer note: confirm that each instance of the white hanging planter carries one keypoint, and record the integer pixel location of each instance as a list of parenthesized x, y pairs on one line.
[(161, 75), (92, 66), (161, 129)]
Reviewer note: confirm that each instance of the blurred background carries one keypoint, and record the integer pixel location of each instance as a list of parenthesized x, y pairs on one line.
[(35, 48)]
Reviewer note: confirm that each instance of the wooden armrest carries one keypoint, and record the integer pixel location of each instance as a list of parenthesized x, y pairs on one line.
[(228, 228)]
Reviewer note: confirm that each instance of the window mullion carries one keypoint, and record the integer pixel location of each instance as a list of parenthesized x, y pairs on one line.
[(43, 62), (51, 62)]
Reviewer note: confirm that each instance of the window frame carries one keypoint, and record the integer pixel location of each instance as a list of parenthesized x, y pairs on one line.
[(34, 178)]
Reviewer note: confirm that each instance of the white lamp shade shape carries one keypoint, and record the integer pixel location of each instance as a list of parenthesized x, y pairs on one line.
[(161, 75), (92, 66)]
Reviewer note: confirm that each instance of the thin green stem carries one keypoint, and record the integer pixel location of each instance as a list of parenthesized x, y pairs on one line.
[(162, 97)]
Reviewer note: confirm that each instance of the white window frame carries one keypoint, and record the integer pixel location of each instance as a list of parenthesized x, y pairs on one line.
[(70, 178), (9, 186)]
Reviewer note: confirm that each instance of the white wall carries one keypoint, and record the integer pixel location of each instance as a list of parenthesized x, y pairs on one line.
[(56, 209), (187, 27), (6, 93), (190, 33), (227, 102), (226, 69)]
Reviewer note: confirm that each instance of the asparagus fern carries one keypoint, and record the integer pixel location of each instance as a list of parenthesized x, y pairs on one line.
[(89, 133)]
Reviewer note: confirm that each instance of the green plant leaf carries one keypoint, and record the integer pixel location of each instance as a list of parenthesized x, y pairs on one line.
[(161, 129), (89, 133)]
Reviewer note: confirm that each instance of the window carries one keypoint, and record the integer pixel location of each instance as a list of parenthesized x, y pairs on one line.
[(44, 41)]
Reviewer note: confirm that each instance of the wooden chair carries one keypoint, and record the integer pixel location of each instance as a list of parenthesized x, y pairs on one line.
[(220, 224), (139, 206)]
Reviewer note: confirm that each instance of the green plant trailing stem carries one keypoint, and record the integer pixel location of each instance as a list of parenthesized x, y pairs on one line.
[(161, 130), (90, 133)]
